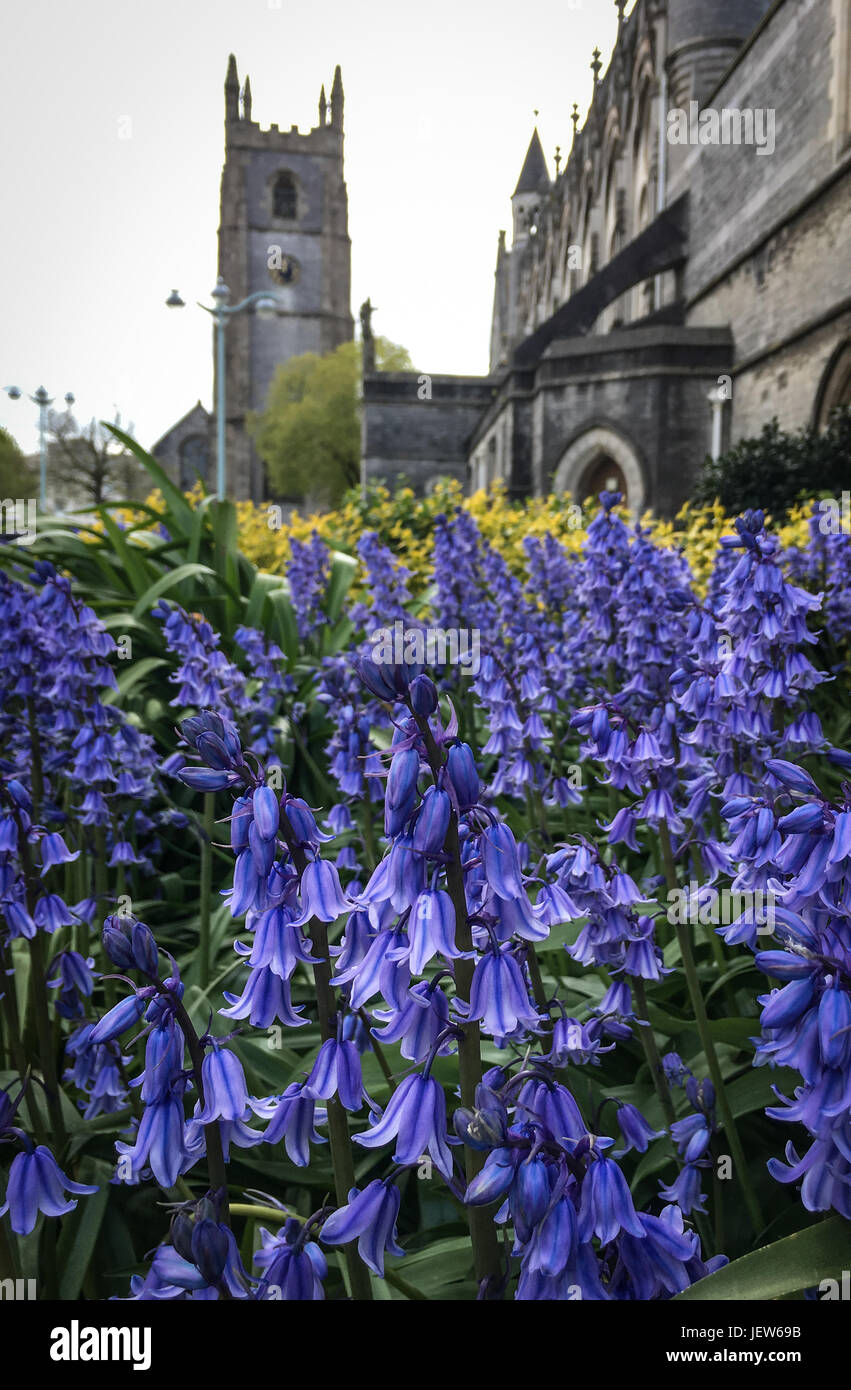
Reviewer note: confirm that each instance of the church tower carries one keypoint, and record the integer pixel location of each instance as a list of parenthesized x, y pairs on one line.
[(283, 228)]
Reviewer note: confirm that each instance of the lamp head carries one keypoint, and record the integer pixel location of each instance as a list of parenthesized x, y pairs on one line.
[(267, 307)]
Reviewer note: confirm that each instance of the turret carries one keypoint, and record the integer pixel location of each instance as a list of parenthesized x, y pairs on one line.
[(246, 99), (323, 106), (533, 182), (703, 38)]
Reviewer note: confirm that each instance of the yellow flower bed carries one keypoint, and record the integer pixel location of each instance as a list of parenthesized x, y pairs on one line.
[(405, 523)]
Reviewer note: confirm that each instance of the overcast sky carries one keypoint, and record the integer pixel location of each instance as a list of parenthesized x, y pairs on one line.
[(112, 113)]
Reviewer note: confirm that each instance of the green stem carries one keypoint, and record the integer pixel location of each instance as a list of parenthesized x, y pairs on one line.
[(702, 1020), (38, 984), (486, 1252), (368, 830), (537, 980), (206, 887), (8, 1263), (651, 1052), (216, 1168), (101, 901), (339, 1139), (379, 1051)]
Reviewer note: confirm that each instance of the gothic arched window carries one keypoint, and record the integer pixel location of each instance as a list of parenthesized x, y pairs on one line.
[(284, 197)]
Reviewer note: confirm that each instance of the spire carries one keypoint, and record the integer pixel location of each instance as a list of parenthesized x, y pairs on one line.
[(534, 171), (337, 100), (323, 106), (232, 91), (246, 99)]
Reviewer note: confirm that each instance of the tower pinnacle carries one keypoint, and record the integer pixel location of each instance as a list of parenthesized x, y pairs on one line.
[(337, 100), (232, 91)]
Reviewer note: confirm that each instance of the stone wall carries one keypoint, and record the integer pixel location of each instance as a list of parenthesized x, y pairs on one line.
[(416, 436)]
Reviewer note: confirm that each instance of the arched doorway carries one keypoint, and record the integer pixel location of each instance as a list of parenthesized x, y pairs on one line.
[(603, 475), (594, 461), (835, 388)]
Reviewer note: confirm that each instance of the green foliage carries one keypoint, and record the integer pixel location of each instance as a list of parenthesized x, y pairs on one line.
[(309, 433), (17, 478), (775, 469), (800, 1261), (189, 554)]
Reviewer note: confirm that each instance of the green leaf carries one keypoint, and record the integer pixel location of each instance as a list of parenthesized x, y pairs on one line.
[(264, 584), (130, 556), (343, 570), (797, 1262), (287, 628), (180, 512), (166, 582), (753, 1091), (135, 673), (80, 1230)]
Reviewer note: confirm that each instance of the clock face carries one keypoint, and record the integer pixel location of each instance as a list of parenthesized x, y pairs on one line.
[(286, 272)]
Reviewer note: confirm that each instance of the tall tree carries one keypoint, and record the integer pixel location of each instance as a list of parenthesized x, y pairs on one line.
[(87, 463), (17, 478), (309, 434)]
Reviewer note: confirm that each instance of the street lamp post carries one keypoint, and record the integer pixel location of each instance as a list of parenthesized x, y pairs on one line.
[(43, 401), (265, 306)]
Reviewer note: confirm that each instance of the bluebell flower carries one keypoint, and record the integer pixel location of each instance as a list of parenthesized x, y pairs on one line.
[(292, 1267), (225, 1089), (370, 1217), (36, 1183), (416, 1117), (606, 1207), (337, 1071), (499, 997), (292, 1118)]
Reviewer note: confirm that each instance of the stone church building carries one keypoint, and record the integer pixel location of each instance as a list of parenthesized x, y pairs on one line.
[(679, 279)]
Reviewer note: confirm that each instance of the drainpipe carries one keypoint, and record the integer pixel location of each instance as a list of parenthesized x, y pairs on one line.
[(662, 157), (716, 399)]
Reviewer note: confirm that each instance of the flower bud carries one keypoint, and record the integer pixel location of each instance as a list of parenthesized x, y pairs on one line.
[(117, 942), (210, 1249), (803, 820), (119, 1018), (401, 789), (267, 812), (432, 821), (182, 1227), (376, 679), (145, 953), (239, 823), (212, 749), (461, 771), (205, 779), (423, 696)]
